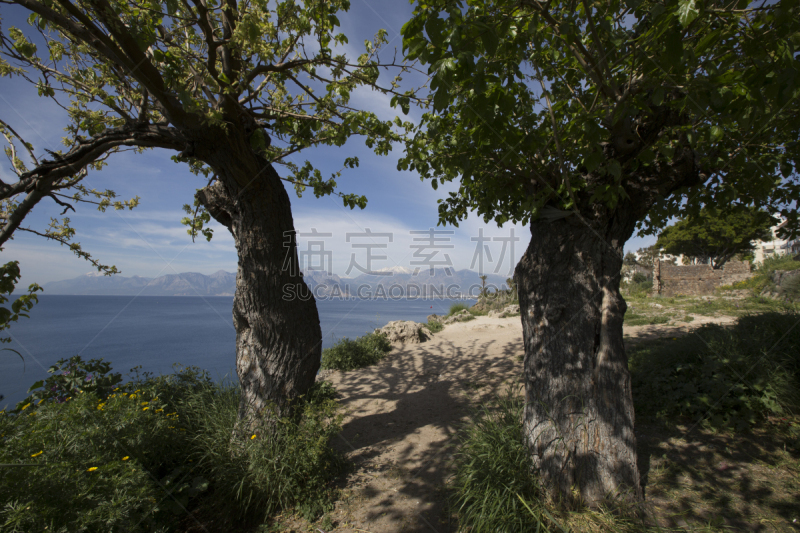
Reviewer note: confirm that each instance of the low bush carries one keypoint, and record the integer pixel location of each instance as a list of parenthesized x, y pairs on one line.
[(457, 308), (724, 377), (152, 450), (634, 288), (349, 354), (435, 326)]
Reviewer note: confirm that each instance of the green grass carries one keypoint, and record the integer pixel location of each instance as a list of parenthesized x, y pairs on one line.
[(722, 377), (635, 319), (457, 308), (435, 326), (493, 482), (138, 459), (752, 304), (349, 354), (495, 488)]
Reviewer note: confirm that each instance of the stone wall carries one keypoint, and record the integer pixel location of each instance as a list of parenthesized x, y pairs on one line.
[(693, 280)]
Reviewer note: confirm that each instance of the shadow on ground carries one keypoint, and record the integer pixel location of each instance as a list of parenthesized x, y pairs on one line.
[(697, 478), (404, 415)]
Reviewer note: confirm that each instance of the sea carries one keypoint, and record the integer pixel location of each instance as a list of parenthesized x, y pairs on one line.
[(156, 332)]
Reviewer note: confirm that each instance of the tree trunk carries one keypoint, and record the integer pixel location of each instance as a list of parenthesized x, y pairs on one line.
[(278, 335), (579, 410)]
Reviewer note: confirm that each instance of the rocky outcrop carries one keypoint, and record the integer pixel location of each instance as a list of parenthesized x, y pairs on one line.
[(405, 332), (509, 310), (785, 285)]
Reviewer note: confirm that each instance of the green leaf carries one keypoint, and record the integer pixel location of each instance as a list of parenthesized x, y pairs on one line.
[(646, 156), (435, 29), (687, 12), (673, 50), (440, 99), (172, 7), (658, 96), (490, 41), (592, 161), (716, 133), (615, 169)]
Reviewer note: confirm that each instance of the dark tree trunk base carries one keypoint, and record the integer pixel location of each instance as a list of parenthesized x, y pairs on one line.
[(579, 410), (278, 335)]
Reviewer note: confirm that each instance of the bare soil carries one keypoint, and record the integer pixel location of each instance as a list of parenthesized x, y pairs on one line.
[(404, 416)]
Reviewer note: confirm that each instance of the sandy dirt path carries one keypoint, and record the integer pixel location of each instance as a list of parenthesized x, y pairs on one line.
[(404, 414)]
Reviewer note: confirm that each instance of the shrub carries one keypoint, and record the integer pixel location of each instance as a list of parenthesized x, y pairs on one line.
[(74, 375), (435, 326), (727, 377), (349, 354), (457, 308), (154, 448), (494, 489)]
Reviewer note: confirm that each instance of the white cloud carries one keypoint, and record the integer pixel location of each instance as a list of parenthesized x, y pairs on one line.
[(399, 246)]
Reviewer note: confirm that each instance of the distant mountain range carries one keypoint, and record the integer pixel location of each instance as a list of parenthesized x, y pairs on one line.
[(394, 282), (220, 283)]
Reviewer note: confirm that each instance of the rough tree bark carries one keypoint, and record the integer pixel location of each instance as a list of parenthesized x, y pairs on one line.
[(278, 338), (579, 415)]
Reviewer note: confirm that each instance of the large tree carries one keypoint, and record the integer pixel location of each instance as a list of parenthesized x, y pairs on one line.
[(232, 88), (717, 236), (585, 119)]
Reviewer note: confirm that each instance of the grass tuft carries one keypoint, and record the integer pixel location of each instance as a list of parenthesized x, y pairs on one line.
[(349, 354), (435, 326), (457, 308), (494, 489)]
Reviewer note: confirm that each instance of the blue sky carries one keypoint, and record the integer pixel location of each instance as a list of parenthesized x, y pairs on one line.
[(150, 241)]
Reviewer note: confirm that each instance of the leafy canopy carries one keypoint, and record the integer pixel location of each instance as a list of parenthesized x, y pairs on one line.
[(717, 236), (136, 75), (579, 106)]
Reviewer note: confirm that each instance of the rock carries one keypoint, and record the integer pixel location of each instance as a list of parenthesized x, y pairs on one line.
[(781, 277), (493, 314), (657, 306), (434, 318), (405, 332), (784, 285)]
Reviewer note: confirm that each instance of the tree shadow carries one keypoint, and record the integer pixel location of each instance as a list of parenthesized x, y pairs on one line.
[(404, 415), (743, 481)]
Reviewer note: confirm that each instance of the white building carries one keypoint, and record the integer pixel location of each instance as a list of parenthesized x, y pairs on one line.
[(765, 249)]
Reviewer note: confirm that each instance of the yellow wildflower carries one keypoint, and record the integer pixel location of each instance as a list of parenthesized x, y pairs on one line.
[(92, 469), (26, 406), (38, 454), (125, 458), (254, 436), (144, 403), (145, 408)]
